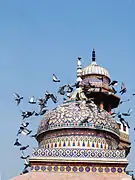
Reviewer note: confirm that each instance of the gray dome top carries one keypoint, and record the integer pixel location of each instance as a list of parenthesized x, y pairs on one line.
[(78, 115)]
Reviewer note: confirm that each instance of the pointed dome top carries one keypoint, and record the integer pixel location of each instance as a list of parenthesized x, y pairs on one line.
[(94, 68)]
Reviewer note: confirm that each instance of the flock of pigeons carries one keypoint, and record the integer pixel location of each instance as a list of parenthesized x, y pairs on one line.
[(65, 91), (42, 102)]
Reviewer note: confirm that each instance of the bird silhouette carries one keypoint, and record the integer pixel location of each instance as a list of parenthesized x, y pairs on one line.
[(24, 148), (25, 124), (32, 100), (27, 114), (17, 143), (123, 89), (17, 98), (25, 157), (113, 83), (55, 78), (24, 131), (127, 113), (61, 90)]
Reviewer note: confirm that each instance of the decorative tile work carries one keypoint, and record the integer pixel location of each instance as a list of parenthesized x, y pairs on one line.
[(69, 168), (79, 153), (78, 141), (72, 114)]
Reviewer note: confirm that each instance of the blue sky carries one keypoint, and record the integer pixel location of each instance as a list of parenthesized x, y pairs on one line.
[(39, 38)]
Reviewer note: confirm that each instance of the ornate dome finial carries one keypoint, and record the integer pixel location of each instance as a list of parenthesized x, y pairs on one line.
[(79, 70), (93, 55)]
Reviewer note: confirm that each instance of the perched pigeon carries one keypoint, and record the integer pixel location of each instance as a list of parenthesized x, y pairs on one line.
[(55, 79), (17, 98)]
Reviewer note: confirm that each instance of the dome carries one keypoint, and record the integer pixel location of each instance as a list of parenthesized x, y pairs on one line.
[(71, 176), (78, 114), (93, 69)]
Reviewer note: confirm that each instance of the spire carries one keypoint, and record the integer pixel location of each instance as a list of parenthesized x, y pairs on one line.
[(93, 55), (79, 70)]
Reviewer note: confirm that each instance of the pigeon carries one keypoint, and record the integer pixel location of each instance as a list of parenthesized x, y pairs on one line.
[(34, 135), (17, 143), (42, 112), (27, 114), (24, 148), (121, 102), (47, 96), (17, 98), (68, 95), (127, 150), (62, 90), (113, 83), (128, 113), (114, 91), (25, 124), (32, 100), (70, 89), (77, 84), (25, 131), (123, 89), (25, 157), (25, 171), (54, 98), (55, 79)]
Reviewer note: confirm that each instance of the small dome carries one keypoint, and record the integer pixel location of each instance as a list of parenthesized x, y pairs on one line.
[(93, 68), (72, 114)]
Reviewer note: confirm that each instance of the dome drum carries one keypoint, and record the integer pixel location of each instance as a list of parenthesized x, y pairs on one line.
[(78, 138)]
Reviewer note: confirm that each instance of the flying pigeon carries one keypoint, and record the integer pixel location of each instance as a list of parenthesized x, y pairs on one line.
[(27, 114), (24, 148), (125, 101), (17, 98), (62, 90), (113, 83), (55, 79), (42, 112), (34, 135), (128, 113), (70, 89), (25, 157), (123, 89), (17, 143), (114, 91), (54, 98), (32, 100), (25, 124), (77, 84)]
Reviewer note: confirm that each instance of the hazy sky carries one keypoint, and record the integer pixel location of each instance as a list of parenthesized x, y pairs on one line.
[(39, 38)]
